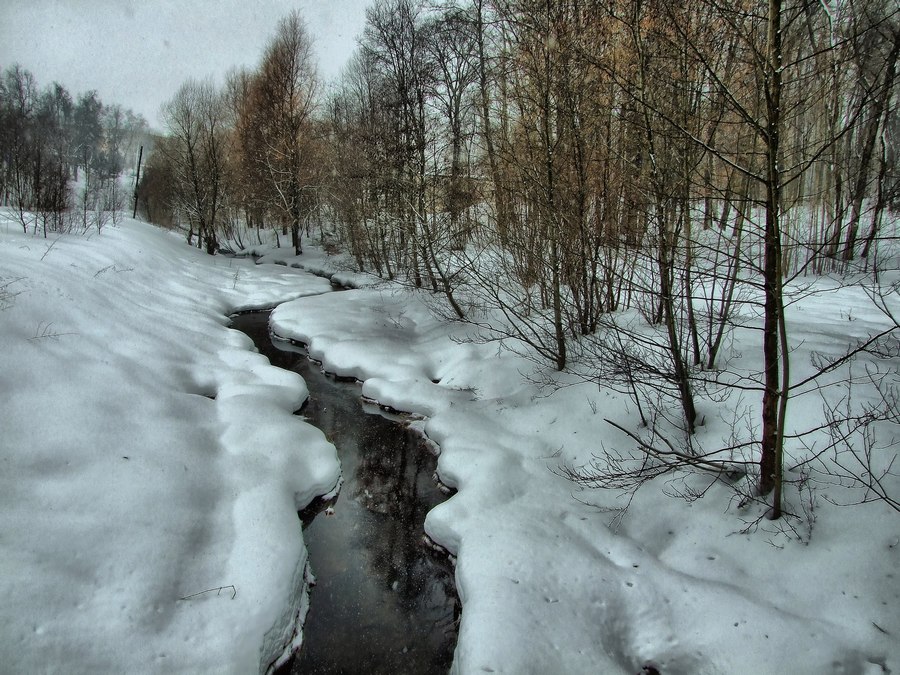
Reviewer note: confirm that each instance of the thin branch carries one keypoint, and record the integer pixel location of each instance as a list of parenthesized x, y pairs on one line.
[(217, 590)]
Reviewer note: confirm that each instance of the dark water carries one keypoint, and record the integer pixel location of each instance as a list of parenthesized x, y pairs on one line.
[(384, 601)]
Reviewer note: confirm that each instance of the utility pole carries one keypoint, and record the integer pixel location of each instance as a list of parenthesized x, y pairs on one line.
[(137, 180)]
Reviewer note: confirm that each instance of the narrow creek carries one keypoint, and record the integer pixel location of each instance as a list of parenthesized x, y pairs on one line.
[(384, 602)]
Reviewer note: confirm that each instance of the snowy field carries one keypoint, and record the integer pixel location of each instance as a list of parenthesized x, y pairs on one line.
[(557, 580), (148, 456)]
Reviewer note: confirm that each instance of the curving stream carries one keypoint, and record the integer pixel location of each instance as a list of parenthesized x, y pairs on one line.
[(384, 601)]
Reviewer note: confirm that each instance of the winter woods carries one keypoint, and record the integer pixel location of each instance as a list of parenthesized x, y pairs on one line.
[(617, 186), (60, 156)]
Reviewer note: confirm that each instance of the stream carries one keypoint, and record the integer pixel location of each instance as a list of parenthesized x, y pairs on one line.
[(384, 601)]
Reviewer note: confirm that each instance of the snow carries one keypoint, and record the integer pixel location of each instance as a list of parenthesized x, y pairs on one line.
[(148, 455), (338, 268), (97, 549), (553, 579)]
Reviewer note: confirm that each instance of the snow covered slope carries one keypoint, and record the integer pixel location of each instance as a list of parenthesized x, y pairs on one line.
[(147, 455), (553, 580), (150, 471)]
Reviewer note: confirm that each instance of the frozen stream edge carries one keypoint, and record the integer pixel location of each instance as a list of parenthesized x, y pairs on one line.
[(294, 639)]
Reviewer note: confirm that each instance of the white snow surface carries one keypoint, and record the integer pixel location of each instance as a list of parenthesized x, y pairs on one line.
[(339, 268), (547, 584), (147, 454), (96, 549)]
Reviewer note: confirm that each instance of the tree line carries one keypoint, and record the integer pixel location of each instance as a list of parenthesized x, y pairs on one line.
[(51, 142), (617, 184)]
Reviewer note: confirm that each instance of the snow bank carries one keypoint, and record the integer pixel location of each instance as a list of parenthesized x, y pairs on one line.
[(337, 268), (556, 582), (151, 464)]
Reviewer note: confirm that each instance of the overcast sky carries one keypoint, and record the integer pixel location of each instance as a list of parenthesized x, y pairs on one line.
[(137, 54)]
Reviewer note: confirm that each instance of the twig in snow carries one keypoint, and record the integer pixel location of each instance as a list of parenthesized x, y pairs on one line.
[(114, 268), (43, 331), (6, 296), (49, 248), (217, 591)]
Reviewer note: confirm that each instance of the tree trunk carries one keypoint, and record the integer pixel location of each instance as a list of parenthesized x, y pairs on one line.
[(859, 188), (880, 203), (501, 203), (775, 354)]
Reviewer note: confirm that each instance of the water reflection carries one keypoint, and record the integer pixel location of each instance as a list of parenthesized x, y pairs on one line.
[(384, 601)]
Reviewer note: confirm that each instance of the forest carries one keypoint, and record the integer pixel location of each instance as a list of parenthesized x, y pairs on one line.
[(60, 158), (619, 186)]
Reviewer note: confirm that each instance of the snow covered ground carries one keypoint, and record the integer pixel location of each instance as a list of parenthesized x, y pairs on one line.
[(125, 487), (547, 585), (147, 455)]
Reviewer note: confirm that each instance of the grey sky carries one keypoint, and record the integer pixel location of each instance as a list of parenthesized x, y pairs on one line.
[(137, 54)]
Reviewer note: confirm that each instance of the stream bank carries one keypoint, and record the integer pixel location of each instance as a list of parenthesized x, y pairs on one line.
[(384, 601)]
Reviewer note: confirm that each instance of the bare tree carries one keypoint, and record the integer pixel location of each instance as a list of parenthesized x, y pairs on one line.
[(197, 156), (279, 123), (395, 41)]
